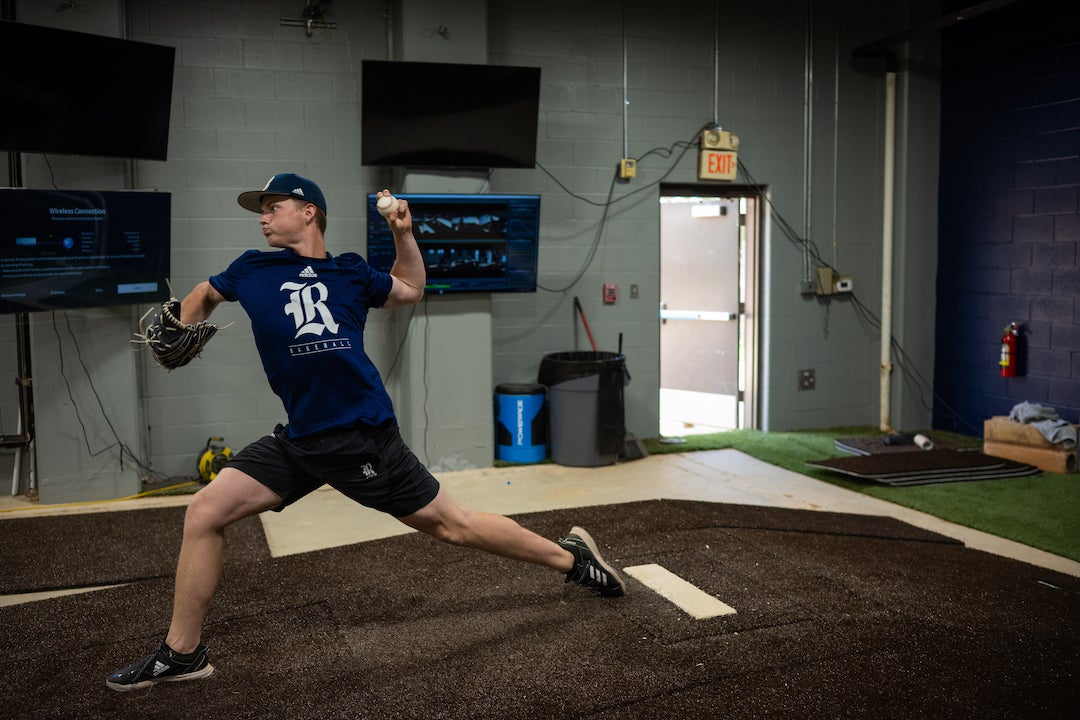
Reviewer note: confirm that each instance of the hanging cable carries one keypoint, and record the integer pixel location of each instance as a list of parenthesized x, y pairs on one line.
[(681, 145)]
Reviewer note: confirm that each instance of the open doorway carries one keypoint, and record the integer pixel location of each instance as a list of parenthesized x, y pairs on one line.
[(709, 244)]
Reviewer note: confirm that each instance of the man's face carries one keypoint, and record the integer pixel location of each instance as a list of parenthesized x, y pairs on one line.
[(283, 219)]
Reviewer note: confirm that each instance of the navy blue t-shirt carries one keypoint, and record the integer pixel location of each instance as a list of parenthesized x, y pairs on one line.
[(308, 316)]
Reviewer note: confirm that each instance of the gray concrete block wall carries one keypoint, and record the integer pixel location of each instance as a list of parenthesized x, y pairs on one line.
[(670, 72), (85, 408), (252, 98)]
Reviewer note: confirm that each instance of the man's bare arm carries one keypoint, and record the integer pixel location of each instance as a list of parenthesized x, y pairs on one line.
[(199, 303), (408, 271)]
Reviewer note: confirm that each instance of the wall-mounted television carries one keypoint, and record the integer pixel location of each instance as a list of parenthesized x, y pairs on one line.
[(77, 93), (425, 114), (68, 249), (470, 243)]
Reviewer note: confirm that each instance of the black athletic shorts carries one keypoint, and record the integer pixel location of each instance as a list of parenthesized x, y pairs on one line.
[(371, 465)]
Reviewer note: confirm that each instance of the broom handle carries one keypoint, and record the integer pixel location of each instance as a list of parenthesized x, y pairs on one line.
[(577, 306)]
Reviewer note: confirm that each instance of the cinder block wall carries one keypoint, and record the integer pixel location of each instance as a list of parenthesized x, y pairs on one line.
[(1010, 228), (252, 98)]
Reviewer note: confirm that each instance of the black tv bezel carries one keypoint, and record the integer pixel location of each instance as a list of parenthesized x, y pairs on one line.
[(61, 289), (401, 125), (378, 233), (116, 101)]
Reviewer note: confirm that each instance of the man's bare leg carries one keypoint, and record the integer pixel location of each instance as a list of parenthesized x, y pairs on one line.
[(577, 554), (444, 518), (231, 496)]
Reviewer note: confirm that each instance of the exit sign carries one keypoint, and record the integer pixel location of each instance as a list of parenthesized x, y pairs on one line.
[(718, 165)]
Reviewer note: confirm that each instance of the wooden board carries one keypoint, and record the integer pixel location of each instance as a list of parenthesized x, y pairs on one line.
[(1001, 429), (1049, 459)]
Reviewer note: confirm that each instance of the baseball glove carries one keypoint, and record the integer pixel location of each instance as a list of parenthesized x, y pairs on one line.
[(173, 343)]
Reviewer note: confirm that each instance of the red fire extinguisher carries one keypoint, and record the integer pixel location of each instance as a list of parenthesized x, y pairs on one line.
[(1009, 341)]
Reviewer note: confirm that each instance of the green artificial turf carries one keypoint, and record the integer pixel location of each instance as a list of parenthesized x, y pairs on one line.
[(1042, 511)]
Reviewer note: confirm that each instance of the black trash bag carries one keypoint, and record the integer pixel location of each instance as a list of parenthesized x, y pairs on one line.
[(561, 367)]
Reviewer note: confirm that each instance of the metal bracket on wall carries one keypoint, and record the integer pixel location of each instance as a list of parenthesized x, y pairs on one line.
[(309, 24), (314, 18)]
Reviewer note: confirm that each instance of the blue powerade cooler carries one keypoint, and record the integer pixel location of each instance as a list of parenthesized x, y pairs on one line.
[(520, 423)]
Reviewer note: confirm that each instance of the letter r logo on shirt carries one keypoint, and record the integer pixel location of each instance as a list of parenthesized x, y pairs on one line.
[(306, 302)]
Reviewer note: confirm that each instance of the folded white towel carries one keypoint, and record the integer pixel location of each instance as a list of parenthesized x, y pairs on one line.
[(1045, 419)]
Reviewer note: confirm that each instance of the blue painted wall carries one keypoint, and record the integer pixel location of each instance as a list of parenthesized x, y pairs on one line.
[(1009, 232)]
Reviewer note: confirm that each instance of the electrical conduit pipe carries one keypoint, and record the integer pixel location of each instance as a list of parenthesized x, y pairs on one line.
[(887, 250)]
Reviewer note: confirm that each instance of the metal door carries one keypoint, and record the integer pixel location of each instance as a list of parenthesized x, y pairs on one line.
[(702, 313)]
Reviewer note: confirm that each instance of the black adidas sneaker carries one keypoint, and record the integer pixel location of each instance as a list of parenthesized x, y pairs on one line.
[(164, 665), (589, 569)]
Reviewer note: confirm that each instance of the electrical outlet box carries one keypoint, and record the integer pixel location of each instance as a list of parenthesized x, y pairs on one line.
[(823, 282), (627, 168), (843, 284), (807, 381)]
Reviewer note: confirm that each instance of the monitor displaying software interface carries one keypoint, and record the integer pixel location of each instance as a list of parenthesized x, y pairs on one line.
[(470, 243), (68, 249)]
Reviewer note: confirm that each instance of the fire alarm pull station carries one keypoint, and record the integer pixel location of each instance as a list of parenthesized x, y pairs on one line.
[(611, 293)]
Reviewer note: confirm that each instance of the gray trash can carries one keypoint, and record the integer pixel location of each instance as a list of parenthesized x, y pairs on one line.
[(586, 413)]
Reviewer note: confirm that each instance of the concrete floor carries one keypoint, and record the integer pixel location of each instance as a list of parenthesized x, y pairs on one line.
[(325, 519)]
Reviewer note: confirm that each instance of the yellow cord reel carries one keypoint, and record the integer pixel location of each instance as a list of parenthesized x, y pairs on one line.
[(213, 459)]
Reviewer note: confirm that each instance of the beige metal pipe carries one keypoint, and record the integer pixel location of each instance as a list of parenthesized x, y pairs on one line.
[(887, 250)]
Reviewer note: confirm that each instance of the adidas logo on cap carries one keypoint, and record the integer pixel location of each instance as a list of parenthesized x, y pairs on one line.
[(283, 184)]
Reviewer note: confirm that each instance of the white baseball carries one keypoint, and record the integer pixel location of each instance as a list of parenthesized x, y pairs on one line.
[(386, 205)]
